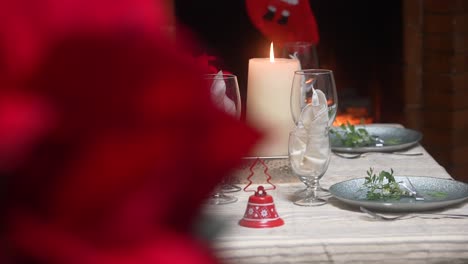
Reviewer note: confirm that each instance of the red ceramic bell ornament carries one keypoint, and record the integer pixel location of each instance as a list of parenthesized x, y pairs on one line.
[(261, 211)]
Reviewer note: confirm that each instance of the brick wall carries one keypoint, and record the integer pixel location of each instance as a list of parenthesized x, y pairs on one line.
[(436, 79)]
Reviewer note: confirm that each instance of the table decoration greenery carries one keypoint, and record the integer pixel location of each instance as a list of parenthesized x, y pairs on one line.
[(382, 186), (351, 136)]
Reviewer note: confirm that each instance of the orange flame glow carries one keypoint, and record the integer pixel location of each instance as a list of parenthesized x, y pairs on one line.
[(353, 115)]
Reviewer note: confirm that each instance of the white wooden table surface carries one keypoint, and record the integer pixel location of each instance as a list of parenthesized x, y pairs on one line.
[(338, 233)]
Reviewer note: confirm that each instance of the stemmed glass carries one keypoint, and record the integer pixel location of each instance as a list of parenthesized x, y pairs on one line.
[(226, 96), (305, 82), (313, 107)]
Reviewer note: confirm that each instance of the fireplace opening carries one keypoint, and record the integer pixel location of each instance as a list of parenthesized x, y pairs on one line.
[(361, 41)]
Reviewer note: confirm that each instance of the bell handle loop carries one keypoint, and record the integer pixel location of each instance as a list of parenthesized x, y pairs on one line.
[(260, 191), (265, 171)]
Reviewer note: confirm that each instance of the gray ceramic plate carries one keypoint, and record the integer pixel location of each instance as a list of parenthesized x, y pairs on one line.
[(438, 193), (395, 139)]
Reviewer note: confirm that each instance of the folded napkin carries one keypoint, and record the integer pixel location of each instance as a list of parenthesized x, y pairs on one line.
[(218, 94), (310, 149)]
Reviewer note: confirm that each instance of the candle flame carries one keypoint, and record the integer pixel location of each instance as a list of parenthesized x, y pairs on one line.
[(272, 53)]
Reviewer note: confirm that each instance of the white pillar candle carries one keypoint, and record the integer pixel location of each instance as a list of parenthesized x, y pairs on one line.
[(268, 102)]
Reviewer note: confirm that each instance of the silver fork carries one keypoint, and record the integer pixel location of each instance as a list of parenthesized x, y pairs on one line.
[(363, 154), (378, 216), (415, 192), (381, 217)]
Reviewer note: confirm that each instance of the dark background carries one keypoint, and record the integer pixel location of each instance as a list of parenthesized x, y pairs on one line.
[(360, 40)]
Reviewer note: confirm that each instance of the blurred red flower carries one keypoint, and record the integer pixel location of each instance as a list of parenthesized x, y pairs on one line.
[(114, 139)]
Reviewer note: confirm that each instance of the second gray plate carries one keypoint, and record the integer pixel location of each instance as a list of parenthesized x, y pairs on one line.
[(395, 138), (438, 193)]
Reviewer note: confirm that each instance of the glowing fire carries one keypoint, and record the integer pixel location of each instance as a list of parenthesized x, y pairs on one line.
[(353, 115)]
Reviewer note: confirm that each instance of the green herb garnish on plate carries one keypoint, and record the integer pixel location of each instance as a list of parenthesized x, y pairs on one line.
[(393, 141), (350, 136), (382, 186), (439, 195)]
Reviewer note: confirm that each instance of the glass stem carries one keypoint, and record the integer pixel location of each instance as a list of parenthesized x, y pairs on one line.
[(312, 187)]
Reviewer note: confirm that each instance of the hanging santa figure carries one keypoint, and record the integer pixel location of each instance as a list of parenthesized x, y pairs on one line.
[(284, 20)]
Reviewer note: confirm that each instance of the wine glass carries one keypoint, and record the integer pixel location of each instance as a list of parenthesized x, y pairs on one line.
[(304, 90), (309, 156), (313, 107), (305, 52), (226, 96)]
